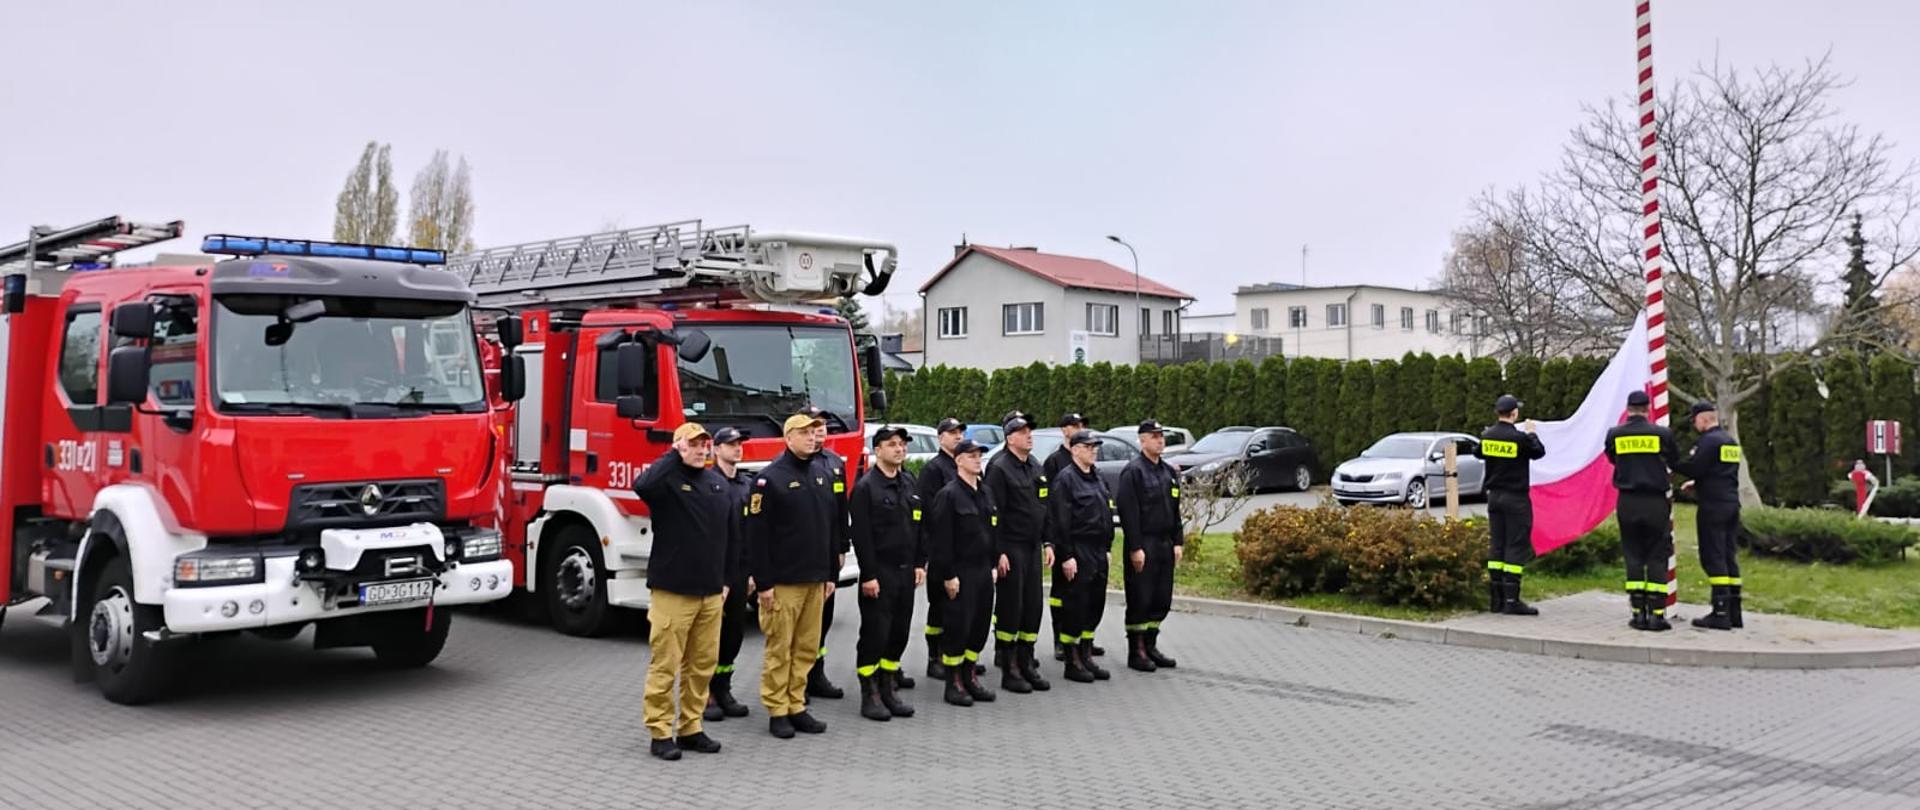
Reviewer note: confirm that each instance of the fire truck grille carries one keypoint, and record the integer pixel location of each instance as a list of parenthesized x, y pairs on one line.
[(366, 503)]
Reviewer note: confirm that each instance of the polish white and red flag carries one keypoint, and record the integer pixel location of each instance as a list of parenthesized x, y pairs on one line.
[(1572, 486)]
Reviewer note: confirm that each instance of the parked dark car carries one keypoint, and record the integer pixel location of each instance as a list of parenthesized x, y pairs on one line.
[(1277, 456)]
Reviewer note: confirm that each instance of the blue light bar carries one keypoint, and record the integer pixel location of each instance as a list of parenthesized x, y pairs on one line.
[(260, 246)]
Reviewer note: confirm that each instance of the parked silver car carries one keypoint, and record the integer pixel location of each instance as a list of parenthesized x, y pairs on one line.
[(1407, 468)]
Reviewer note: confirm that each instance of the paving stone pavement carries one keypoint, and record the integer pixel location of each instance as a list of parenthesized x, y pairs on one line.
[(1258, 715)]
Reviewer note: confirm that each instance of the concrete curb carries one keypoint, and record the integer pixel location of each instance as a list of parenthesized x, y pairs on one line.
[(1430, 633)]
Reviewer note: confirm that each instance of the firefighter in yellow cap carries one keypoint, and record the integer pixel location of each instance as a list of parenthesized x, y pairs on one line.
[(795, 526)]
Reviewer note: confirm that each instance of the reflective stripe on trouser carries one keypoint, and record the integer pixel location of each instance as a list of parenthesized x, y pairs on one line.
[(792, 628), (935, 626), (885, 621), (1083, 601), (969, 616), (826, 622), (1016, 603), (733, 624), (1645, 540), (1718, 525), (682, 644), (1509, 530), (1149, 592)]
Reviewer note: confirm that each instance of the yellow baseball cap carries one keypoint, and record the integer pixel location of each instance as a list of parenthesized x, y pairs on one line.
[(690, 430), (801, 421)]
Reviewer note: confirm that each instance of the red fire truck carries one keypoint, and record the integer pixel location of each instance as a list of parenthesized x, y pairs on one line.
[(631, 333), (298, 435)]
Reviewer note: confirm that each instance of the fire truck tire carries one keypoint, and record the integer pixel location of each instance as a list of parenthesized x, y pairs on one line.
[(129, 669), (574, 580), (409, 643)]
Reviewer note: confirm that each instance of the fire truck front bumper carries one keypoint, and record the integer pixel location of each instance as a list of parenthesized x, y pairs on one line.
[(306, 586)]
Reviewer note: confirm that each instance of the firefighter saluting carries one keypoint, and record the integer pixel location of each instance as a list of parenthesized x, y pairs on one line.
[(1643, 455), (1509, 453), (1714, 467)]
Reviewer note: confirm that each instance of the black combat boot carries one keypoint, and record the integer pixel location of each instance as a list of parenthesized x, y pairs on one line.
[(1496, 590), (1086, 658), (1011, 677), (871, 706), (1030, 668), (979, 691), (1137, 659), (883, 682), (1639, 601), (957, 693), (1513, 605), (722, 694), (1719, 618), (1734, 619), (817, 684), (1077, 670), (1657, 612), (1153, 651)]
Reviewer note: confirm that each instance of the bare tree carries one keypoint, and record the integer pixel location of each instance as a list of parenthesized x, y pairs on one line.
[(1758, 184), (368, 208), (1210, 501), (908, 324), (441, 205), (1530, 306)]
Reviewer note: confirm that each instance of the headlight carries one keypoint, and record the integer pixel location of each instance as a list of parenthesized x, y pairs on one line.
[(480, 546), (1211, 466), (189, 571), (1392, 476)]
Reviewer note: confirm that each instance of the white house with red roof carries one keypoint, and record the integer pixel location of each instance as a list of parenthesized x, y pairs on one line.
[(994, 308)]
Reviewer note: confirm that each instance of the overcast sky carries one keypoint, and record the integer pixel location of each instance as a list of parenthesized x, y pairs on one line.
[(1217, 137)]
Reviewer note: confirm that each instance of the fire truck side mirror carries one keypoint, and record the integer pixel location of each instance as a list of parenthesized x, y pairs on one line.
[(133, 319), (631, 363), (513, 377), (873, 366), (876, 400), (694, 345), (127, 374), (512, 331)]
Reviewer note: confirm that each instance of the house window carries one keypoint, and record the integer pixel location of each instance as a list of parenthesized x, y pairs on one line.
[(1260, 319), (1459, 323), (1433, 321), (1146, 321), (1406, 319), (1297, 317), (1022, 319), (1484, 326), (1336, 316), (1169, 322), (1379, 316), (1102, 319), (953, 322)]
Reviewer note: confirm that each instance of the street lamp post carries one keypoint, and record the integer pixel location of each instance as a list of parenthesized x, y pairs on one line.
[(1140, 334)]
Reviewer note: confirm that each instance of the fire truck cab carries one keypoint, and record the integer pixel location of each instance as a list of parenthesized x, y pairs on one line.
[(279, 439), (629, 335)]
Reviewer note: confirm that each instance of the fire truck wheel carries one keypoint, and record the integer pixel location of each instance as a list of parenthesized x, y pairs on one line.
[(575, 582), (409, 643), (129, 669)]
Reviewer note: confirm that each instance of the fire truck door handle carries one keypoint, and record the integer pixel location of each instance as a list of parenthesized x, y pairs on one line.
[(593, 462), (49, 455)]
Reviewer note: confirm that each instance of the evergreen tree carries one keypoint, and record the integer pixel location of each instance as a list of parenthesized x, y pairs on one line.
[(1416, 385), (1552, 391), (1356, 392), (1121, 382), (1206, 389), (1302, 409), (1800, 479), (1329, 409), (1243, 400), (1173, 397), (1036, 386), (1484, 385), (1449, 402), (1846, 412), (1752, 426), (1270, 392), (1893, 399), (1100, 395), (1523, 381), (1382, 416), (1143, 397), (849, 308), (973, 397)]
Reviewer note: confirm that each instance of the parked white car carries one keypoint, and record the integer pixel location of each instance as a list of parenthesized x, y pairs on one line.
[(922, 441), (1408, 468), (1178, 438)]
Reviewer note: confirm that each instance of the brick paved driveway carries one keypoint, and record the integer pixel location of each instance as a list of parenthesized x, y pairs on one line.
[(1258, 715)]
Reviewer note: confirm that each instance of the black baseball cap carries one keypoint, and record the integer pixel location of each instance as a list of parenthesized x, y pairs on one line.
[(949, 425), (1015, 423), (728, 435), (888, 432), (968, 446), (1151, 426), (1086, 437), (1700, 407), (1507, 403), (1638, 399), (1070, 419)]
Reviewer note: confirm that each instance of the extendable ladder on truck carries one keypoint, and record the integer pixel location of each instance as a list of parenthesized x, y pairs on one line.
[(90, 246), (674, 260)]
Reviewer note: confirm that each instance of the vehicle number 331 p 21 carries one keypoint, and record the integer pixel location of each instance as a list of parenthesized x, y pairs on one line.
[(620, 474), (70, 455)]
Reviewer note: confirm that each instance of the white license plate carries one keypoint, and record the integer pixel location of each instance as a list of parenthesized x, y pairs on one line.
[(387, 593)]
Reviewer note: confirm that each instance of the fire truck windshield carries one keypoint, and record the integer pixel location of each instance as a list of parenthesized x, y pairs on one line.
[(356, 357), (756, 376)]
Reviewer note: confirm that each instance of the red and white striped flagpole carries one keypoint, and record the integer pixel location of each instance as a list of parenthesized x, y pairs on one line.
[(1651, 241)]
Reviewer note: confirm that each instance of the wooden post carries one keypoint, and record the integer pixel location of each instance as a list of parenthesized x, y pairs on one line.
[(1452, 462)]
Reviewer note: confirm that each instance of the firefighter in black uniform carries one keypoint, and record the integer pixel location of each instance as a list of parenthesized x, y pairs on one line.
[(835, 468), (959, 530), (1062, 460), (886, 539), (933, 478), (1149, 501), (1019, 490), (1643, 455), (1509, 453), (1081, 519), (728, 446), (1714, 467)]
